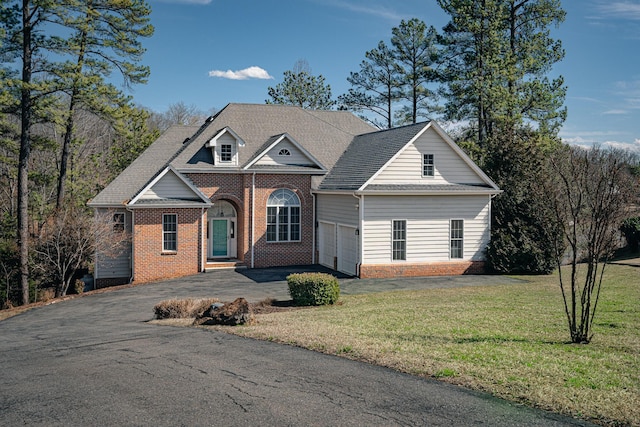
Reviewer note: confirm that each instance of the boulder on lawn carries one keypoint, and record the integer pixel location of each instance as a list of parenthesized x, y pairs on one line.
[(238, 312)]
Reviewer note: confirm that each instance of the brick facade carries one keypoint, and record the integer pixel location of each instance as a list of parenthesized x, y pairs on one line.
[(152, 263), (371, 271)]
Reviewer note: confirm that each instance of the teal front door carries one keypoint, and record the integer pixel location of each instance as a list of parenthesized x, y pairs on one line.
[(219, 238)]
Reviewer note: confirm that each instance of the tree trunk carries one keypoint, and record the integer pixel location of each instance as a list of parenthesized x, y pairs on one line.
[(25, 151)]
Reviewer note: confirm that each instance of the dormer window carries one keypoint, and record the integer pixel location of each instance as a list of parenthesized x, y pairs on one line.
[(226, 152), (224, 146), (284, 152)]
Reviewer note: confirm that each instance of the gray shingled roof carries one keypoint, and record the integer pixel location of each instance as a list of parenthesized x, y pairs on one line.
[(130, 181), (366, 155), (325, 134)]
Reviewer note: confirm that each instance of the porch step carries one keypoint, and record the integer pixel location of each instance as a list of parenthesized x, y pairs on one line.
[(212, 265)]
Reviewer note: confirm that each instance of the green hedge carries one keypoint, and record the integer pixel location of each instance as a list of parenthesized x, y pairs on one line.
[(313, 288)]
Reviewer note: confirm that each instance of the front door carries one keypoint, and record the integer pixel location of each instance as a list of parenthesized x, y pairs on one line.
[(221, 231), (219, 238)]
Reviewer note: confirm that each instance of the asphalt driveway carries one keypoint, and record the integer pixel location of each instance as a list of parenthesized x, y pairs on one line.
[(96, 361)]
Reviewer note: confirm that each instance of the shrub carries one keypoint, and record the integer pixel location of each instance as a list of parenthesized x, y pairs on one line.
[(182, 308), (631, 230), (313, 288)]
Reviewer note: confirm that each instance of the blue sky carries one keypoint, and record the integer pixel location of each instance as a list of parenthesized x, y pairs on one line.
[(208, 53)]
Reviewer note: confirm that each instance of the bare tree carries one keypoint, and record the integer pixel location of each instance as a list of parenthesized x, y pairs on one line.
[(588, 193), (71, 239)]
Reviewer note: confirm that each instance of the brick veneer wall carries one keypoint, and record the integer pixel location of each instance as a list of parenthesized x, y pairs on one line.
[(149, 260), (236, 188), (421, 269), (272, 254)]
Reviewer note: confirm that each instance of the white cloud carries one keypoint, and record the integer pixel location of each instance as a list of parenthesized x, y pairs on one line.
[(615, 112), (621, 9), (379, 11), (631, 146), (248, 73)]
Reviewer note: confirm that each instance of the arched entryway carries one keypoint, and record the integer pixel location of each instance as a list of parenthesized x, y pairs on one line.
[(222, 225)]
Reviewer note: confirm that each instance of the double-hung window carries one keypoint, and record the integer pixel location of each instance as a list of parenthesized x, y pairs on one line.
[(457, 238), (169, 232), (283, 216), (428, 165), (399, 240), (226, 153)]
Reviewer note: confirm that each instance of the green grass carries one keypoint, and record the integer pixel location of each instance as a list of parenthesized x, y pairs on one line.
[(511, 341)]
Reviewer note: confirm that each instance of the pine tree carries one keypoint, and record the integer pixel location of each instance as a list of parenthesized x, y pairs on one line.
[(376, 87), (415, 51)]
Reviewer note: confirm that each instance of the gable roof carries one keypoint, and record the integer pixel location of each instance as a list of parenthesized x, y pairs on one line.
[(143, 169), (274, 141), (379, 149), (324, 135), (351, 172)]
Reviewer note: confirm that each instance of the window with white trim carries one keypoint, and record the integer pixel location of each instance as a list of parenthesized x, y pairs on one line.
[(456, 232), (399, 240), (226, 153), (284, 152), (169, 232), (428, 165), (283, 216)]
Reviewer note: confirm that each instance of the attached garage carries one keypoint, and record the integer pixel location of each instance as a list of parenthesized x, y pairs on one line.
[(327, 244), (347, 250)]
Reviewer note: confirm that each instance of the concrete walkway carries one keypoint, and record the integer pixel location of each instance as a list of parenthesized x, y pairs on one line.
[(96, 360)]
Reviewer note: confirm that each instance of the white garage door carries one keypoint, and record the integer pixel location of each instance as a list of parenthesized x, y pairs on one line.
[(327, 243), (347, 250)]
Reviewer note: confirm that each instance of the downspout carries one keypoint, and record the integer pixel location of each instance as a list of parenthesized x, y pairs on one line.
[(202, 242), (253, 205), (361, 231), (133, 247), (313, 239)]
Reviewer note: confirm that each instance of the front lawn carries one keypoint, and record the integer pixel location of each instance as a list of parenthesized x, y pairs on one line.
[(511, 341)]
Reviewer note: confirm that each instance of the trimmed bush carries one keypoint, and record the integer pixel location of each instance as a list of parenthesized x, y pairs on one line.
[(313, 288)]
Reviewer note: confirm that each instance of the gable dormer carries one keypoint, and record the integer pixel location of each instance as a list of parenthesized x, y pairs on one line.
[(224, 148), (282, 150)]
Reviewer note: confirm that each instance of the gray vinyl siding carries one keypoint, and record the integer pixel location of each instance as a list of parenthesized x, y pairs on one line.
[(119, 266), (427, 226), (297, 157), (338, 209), (169, 187), (449, 167)]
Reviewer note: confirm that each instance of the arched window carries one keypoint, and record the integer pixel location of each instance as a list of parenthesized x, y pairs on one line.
[(283, 216), (284, 152)]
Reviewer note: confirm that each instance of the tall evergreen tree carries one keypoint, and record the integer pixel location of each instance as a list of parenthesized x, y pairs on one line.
[(415, 51), (500, 52), (376, 87), (33, 44), (301, 88), (105, 37)]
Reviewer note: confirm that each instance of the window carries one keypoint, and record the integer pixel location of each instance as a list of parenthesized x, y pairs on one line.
[(283, 216), (457, 241), (118, 222), (284, 152), (399, 240), (169, 232), (427, 165), (226, 153)]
